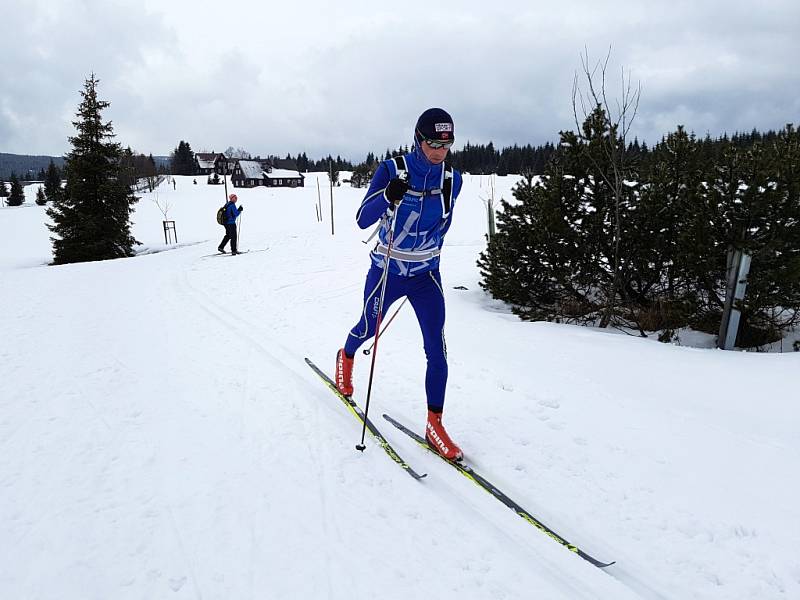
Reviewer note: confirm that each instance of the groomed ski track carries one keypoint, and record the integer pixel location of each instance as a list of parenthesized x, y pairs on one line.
[(192, 453)]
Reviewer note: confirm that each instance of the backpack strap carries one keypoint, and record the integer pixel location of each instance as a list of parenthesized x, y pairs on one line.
[(447, 190), (445, 185), (400, 167)]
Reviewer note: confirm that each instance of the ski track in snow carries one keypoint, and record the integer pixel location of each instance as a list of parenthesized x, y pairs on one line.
[(161, 436)]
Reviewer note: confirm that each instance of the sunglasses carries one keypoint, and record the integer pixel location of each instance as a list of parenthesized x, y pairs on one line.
[(437, 144)]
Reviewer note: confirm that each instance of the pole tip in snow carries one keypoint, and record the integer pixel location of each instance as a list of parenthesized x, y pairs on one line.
[(360, 447)]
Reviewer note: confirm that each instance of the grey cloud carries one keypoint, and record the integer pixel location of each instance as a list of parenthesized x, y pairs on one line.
[(51, 50), (352, 77)]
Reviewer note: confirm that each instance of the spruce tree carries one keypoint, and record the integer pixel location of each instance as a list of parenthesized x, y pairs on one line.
[(716, 225), (362, 175), (540, 260), (763, 220), (3, 189), (91, 219), (555, 251), (17, 195), (670, 234), (333, 170), (52, 182), (182, 159), (41, 199)]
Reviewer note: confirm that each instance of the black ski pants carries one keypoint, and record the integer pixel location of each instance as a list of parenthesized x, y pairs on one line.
[(230, 234)]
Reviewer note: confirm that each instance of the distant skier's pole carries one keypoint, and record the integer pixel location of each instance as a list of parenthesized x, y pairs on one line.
[(389, 322), (389, 243)]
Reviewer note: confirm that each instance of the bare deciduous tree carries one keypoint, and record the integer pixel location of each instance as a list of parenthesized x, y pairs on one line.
[(619, 120), (163, 206)]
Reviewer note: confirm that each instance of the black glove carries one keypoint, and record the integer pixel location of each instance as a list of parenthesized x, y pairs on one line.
[(241, 208), (395, 191)]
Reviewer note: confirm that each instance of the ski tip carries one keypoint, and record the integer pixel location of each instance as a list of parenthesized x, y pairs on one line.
[(604, 565), (595, 562)]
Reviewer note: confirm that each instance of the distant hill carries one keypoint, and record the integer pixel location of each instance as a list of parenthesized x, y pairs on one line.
[(24, 163)]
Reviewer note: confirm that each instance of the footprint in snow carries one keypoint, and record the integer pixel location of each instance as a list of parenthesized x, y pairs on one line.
[(549, 403), (176, 583)]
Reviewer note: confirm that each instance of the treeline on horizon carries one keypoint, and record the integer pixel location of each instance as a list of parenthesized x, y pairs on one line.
[(478, 159), (486, 159), (26, 167)]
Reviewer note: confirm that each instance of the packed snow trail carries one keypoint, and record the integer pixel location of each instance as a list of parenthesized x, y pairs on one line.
[(160, 434)]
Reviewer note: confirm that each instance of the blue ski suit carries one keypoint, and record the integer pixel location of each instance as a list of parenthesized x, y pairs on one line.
[(420, 224)]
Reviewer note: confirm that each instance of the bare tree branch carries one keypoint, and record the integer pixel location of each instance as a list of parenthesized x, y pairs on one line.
[(617, 124)]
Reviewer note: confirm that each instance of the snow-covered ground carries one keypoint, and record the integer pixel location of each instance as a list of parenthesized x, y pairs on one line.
[(161, 436)]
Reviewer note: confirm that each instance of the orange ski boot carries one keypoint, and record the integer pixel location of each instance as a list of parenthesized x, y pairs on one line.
[(344, 373), (437, 438)]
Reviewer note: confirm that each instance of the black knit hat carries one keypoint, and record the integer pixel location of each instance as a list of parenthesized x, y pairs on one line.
[(435, 124)]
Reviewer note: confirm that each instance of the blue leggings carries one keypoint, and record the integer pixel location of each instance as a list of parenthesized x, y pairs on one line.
[(425, 294)]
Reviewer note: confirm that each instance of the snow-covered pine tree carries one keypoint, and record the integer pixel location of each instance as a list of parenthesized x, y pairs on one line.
[(536, 259), (16, 196), (671, 235), (41, 199), (91, 219), (763, 219), (554, 252)]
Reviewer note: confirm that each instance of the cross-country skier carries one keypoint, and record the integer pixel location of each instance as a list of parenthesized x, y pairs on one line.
[(415, 195), (231, 214)]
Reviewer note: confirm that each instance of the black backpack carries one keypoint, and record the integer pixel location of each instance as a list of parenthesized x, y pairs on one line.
[(221, 215)]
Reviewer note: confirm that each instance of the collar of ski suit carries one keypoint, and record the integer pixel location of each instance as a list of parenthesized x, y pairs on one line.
[(420, 163)]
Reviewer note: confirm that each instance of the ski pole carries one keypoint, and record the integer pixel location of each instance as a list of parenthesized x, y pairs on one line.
[(385, 278), (389, 322)]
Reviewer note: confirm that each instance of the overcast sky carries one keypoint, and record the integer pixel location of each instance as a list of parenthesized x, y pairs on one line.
[(348, 77)]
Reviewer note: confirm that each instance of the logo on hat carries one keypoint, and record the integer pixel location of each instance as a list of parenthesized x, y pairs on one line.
[(440, 127)]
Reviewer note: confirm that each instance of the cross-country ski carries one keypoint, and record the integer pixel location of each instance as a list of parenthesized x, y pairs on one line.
[(467, 471)]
